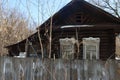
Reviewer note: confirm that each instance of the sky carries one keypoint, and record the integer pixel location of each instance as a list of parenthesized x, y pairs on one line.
[(30, 8), (37, 10)]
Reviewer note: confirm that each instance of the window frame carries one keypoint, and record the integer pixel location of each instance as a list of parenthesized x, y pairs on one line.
[(91, 42), (67, 53)]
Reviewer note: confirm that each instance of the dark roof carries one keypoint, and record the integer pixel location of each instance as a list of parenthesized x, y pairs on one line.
[(23, 41), (73, 6)]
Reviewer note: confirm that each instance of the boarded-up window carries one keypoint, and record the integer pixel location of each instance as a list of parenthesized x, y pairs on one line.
[(91, 48), (67, 48)]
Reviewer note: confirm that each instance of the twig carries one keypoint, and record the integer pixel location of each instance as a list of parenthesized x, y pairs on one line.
[(41, 45), (50, 38)]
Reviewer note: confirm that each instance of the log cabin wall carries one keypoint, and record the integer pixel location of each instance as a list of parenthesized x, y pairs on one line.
[(107, 41)]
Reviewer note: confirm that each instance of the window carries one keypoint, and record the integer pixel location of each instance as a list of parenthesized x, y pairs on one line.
[(67, 48), (91, 48)]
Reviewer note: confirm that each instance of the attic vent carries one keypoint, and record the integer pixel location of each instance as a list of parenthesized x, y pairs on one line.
[(78, 17)]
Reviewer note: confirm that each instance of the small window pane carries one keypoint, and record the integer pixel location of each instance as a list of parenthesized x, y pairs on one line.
[(91, 51)]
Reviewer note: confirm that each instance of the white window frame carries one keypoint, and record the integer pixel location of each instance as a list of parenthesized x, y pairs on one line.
[(93, 42), (69, 49)]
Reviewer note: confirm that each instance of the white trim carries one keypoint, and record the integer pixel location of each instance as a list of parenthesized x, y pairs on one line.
[(67, 48), (91, 42), (72, 26)]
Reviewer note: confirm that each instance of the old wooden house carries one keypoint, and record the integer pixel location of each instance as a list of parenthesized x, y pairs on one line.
[(79, 30)]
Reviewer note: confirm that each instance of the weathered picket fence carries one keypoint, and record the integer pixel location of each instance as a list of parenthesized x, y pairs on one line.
[(49, 69)]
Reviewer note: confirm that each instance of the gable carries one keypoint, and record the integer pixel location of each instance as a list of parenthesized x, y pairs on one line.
[(81, 12), (81, 18)]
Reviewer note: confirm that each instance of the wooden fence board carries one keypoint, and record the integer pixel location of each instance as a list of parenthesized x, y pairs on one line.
[(59, 69)]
